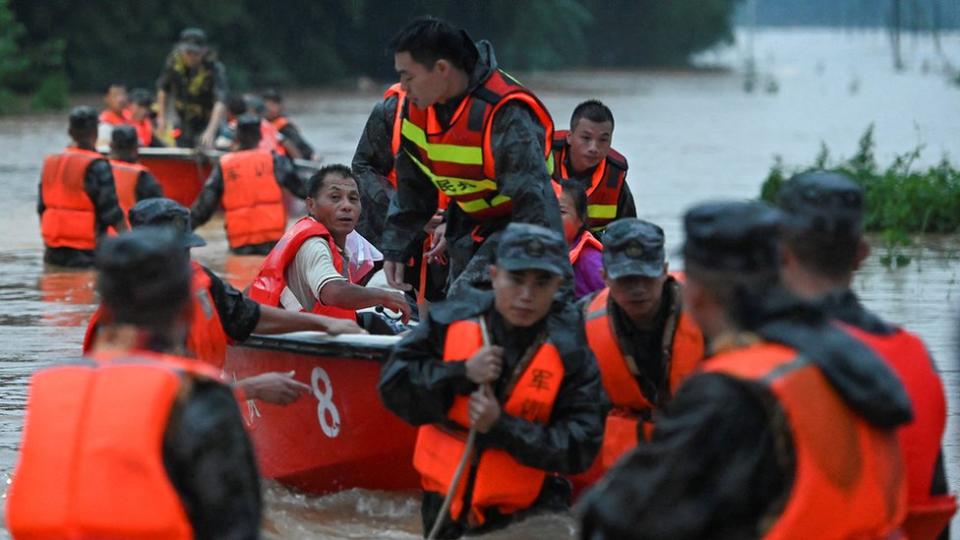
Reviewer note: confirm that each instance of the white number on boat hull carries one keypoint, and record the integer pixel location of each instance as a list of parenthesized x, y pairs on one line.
[(327, 412)]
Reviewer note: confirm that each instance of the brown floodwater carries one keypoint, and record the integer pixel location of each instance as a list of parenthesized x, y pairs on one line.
[(689, 136)]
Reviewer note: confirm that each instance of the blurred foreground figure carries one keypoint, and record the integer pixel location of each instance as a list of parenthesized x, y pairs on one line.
[(789, 430), (514, 368), (823, 246), (131, 442)]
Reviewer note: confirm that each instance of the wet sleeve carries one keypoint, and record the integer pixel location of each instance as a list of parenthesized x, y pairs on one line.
[(239, 315), (98, 183), (517, 140), (286, 175), (148, 187), (415, 383), (291, 133), (410, 209), (626, 207), (372, 162), (209, 198), (220, 85), (569, 443), (712, 465), (210, 462)]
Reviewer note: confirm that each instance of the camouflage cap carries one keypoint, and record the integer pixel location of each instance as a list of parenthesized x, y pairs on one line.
[(163, 212), (525, 246), (633, 247), (733, 236)]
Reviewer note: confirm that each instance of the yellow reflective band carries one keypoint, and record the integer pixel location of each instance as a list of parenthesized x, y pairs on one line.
[(602, 211), (451, 153), (478, 205), (454, 186)]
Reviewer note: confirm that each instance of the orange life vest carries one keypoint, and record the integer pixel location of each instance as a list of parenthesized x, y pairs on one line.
[(848, 480), (114, 119), (920, 439), (586, 239), (607, 181), (91, 464), (395, 137), (206, 340), (125, 176), (69, 218), (501, 481), (617, 373), (279, 123), (252, 200), (459, 159), (272, 278), (144, 131)]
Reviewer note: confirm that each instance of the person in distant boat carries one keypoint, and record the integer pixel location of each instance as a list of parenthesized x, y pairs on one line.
[(77, 199), (275, 114), (116, 112), (585, 250), (197, 83), (308, 270), (131, 441), (822, 248), (584, 155), (134, 182), (512, 365), (645, 342), (249, 182), (141, 116), (472, 132), (221, 314), (270, 139), (788, 430)]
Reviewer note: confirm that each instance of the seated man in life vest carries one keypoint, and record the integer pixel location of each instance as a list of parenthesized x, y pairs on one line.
[(116, 112), (308, 270), (645, 342), (134, 182), (275, 114), (141, 116), (129, 441), (222, 314), (249, 183), (789, 429), (823, 246), (585, 250), (78, 199), (584, 155), (515, 369)]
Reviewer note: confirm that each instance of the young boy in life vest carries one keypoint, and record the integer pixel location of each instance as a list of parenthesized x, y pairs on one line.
[(78, 199), (584, 155), (645, 341), (514, 367), (129, 441), (789, 429), (249, 184), (823, 246)]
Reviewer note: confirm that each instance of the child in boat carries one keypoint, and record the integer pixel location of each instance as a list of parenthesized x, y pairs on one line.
[(585, 249)]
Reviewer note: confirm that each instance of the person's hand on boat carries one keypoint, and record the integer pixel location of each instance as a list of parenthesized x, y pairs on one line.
[(275, 388), (394, 273), (335, 327), (207, 137), (395, 301), (485, 364), (484, 409)]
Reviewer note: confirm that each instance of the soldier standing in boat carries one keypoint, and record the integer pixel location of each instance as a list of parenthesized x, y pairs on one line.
[(472, 132), (788, 430), (197, 83), (823, 246), (514, 367), (131, 442), (78, 199)]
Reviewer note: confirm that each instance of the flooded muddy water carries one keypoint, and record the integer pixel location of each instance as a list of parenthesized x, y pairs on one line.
[(689, 136)]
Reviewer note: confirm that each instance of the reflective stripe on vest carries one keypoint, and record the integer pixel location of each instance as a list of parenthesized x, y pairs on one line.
[(272, 278), (125, 177), (606, 183), (91, 463), (252, 200), (395, 137), (848, 480), (459, 160), (919, 440), (69, 217), (617, 373), (500, 481)]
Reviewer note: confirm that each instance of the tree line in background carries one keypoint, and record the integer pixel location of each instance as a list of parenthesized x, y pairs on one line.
[(50, 47)]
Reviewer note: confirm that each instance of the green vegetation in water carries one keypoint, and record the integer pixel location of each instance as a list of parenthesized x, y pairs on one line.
[(31, 78), (901, 200)]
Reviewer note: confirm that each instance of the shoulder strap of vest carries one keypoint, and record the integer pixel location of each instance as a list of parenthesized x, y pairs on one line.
[(617, 160)]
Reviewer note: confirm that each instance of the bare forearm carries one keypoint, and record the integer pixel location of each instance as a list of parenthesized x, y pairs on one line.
[(219, 110), (346, 295), (280, 321), (162, 106)]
